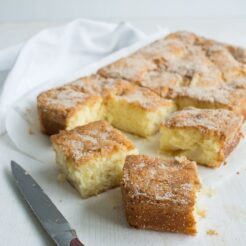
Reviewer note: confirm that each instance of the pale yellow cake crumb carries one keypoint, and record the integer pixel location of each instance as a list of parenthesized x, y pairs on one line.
[(202, 213), (209, 192), (212, 232)]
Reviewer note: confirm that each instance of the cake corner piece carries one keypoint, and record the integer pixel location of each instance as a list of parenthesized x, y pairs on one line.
[(92, 156), (167, 203), (206, 136), (64, 108)]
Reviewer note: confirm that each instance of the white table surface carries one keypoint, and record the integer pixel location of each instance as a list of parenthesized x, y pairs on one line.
[(22, 228)]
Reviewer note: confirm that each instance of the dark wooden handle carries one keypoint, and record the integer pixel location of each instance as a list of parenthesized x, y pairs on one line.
[(76, 242)]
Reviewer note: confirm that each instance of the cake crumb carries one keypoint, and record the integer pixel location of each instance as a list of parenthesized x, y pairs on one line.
[(30, 131), (212, 232), (61, 177), (209, 192), (202, 213)]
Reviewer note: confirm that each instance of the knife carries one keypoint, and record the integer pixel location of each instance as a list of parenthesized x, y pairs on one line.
[(44, 209)]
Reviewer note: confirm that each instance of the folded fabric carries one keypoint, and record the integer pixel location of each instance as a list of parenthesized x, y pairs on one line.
[(58, 52)]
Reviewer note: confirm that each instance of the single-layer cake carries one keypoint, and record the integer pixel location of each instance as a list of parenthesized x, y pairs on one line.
[(192, 70), (228, 97), (64, 108), (206, 136), (160, 194), (138, 110), (92, 156)]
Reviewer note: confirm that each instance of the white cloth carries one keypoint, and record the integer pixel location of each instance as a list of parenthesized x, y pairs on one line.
[(59, 52)]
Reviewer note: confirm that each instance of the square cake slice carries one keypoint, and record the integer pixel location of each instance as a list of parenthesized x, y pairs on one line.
[(65, 107), (160, 194), (137, 110), (206, 136), (92, 156)]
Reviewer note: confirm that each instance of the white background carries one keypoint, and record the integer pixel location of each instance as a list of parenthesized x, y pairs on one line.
[(18, 10)]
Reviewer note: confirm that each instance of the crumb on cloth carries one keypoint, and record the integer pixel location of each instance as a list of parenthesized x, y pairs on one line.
[(209, 192), (212, 232), (202, 213)]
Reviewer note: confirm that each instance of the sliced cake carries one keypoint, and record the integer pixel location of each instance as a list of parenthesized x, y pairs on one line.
[(92, 156)]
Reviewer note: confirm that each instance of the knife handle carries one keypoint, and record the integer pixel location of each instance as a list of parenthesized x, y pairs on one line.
[(76, 242)]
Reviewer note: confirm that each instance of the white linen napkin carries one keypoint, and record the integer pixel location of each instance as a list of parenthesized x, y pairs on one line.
[(59, 52)]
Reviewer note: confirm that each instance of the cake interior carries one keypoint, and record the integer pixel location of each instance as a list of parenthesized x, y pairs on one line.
[(134, 119), (95, 175), (204, 149), (184, 102), (86, 114)]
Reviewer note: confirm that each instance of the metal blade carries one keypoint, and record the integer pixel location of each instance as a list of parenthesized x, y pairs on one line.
[(49, 216)]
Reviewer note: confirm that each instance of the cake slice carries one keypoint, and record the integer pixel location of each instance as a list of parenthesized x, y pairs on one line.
[(92, 156), (227, 97), (64, 108), (206, 136), (160, 194), (137, 110)]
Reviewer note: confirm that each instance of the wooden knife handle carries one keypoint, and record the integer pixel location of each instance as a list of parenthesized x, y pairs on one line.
[(76, 242)]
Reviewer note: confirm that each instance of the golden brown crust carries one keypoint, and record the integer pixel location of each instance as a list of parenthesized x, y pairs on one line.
[(98, 85), (202, 67), (206, 62), (178, 54), (232, 143), (132, 68), (167, 202), (55, 106), (220, 122), (228, 97), (96, 139), (160, 81), (141, 97)]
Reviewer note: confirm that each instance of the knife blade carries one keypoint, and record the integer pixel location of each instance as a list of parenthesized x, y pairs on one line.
[(44, 209)]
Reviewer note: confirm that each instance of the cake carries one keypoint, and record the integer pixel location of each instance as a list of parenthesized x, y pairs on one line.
[(64, 108), (160, 194), (192, 70), (132, 68), (137, 110), (206, 136), (228, 97), (229, 59), (96, 84), (92, 156), (161, 81)]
